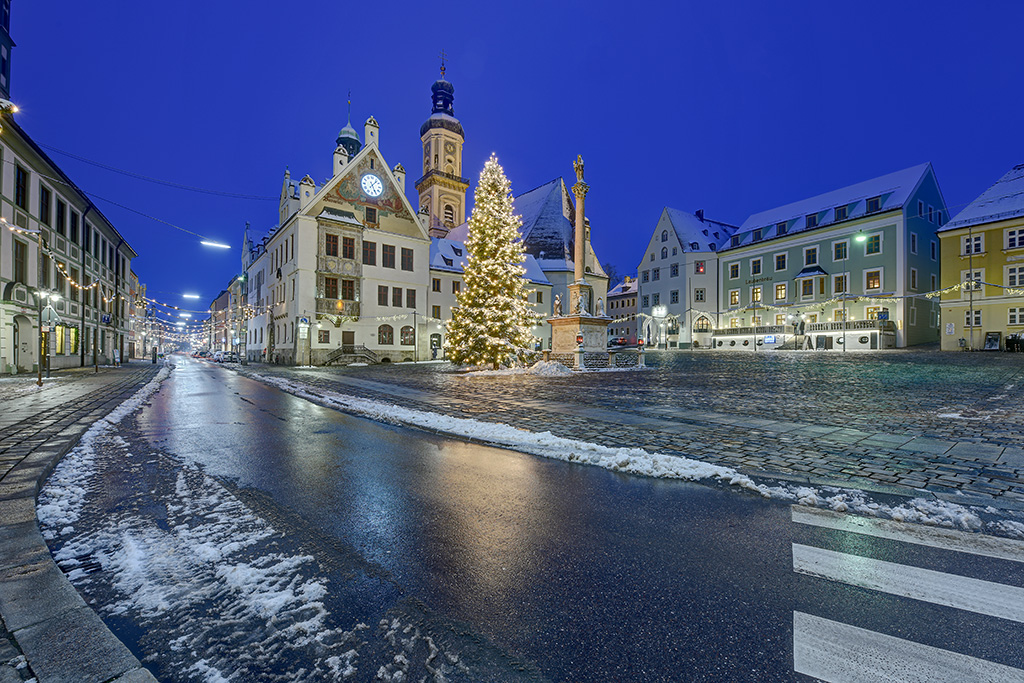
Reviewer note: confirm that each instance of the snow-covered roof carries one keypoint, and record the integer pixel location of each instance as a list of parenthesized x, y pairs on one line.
[(1003, 200), (893, 191), (340, 216), (448, 254), (624, 287), (706, 234)]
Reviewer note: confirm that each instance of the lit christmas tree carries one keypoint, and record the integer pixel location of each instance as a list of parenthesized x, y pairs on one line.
[(492, 323)]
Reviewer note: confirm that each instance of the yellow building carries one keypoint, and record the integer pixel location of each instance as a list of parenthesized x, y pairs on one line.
[(983, 269)]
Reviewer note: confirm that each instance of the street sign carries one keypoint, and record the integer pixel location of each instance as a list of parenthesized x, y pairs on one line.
[(769, 339), (50, 316)]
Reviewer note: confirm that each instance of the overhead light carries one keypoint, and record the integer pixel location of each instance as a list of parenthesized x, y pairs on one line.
[(207, 243), (190, 296)]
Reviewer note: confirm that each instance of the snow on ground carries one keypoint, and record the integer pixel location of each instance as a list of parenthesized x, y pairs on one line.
[(638, 461), (548, 368)]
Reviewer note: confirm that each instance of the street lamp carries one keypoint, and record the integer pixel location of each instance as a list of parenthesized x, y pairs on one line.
[(860, 237)]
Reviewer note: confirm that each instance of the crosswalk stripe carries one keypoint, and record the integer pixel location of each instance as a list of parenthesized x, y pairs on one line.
[(935, 537), (951, 590), (840, 653)]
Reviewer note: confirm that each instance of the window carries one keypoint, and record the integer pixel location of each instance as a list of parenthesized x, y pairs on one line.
[(873, 245), (755, 294), (934, 282), (331, 245), (382, 295), (838, 315), (656, 274), (938, 216), (675, 251), (734, 297), (410, 298), (781, 228), (673, 297), (913, 278), (840, 250), (645, 301), (972, 318), (449, 214), (735, 242), (913, 243), (810, 256), (780, 292), (873, 279), (664, 252), (874, 204), (652, 256), (698, 267), (62, 213), (839, 284), (1016, 316), (74, 290), (664, 235), (780, 318), (456, 286), (655, 299), (931, 214), (385, 335), (387, 256), (841, 213), (756, 235), (734, 271), (435, 312), (369, 253), (780, 262), (699, 294), (348, 290), (674, 270), (973, 244), (396, 297), (323, 336), (540, 297), (21, 187), (645, 276), (73, 232), (408, 336), (807, 287), (20, 262), (87, 236), (755, 266), (1015, 238), (371, 214), (1015, 276), (702, 325), (812, 220), (330, 288), (348, 247), (920, 209), (406, 259), (435, 284)]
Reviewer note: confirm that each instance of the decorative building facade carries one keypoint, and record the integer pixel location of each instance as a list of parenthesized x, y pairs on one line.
[(983, 269), (622, 309)]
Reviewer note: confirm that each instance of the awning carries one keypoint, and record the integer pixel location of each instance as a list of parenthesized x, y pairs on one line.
[(810, 271)]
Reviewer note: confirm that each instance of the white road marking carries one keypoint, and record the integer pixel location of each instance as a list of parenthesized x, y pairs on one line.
[(935, 537), (939, 588), (839, 653)]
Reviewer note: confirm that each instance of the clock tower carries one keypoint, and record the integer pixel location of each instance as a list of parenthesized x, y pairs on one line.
[(442, 188)]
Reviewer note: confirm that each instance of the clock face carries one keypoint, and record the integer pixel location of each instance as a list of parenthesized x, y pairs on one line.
[(371, 185), (449, 147)]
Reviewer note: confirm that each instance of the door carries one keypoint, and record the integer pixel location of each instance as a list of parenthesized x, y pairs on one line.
[(348, 341)]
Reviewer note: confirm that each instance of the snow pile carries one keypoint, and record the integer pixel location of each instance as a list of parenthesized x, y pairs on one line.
[(548, 369)]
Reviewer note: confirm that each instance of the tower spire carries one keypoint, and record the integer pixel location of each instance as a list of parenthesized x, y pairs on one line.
[(444, 58)]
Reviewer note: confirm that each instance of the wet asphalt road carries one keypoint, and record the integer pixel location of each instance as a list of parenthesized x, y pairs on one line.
[(554, 571)]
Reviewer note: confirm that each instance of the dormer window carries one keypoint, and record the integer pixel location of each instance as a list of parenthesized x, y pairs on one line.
[(840, 213), (447, 261), (757, 235), (457, 251), (735, 241), (781, 228), (812, 220), (874, 204)]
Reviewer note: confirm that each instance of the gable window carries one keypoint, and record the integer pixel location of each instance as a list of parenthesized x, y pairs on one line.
[(755, 266), (435, 284), (371, 214), (873, 245), (913, 243), (382, 295), (540, 297), (698, 267), (387, 256), (810, 256), (369, 253), (675, 251), (812, 220), (348, 290), (734, 271), (664, 235), (780, 291), (874, 204), (385, 335), (781, 228), (699, 294), (652, 256), (674, 270), (935, 282), (780, 262), (938, 216), (348, 247), (841, 213), (920, 209), (331, 245), (931, 214), (406, 259), (935, 250)]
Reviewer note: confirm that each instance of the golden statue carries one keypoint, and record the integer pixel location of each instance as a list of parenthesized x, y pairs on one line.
[(578, 167)]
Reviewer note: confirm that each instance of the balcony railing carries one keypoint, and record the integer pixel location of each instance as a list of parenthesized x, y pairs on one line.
[(758, 329), (852, 325)]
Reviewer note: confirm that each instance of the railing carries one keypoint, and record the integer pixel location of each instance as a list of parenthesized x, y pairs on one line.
[(759, 329), (351, 350), (851, 326), (449, 176)]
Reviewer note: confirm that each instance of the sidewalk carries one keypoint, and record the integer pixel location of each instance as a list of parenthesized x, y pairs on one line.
[(46, 629)]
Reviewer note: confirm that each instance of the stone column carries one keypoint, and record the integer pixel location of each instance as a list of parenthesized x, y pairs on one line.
[(580, 190)]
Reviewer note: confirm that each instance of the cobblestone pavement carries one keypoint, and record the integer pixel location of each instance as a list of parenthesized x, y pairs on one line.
[(46, 630), (899, 422)]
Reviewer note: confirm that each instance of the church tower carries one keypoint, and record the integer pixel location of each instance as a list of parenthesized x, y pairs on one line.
[(442, 188)]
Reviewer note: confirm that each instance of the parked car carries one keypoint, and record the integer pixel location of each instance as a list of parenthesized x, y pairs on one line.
[(218, 357), (618, 341), (231, 357)]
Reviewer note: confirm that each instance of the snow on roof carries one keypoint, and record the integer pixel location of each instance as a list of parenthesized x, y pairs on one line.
[(708, 235), (1005, 199), (448, 254), (624, 287), (339, 216), (547, 230), (893, 190)]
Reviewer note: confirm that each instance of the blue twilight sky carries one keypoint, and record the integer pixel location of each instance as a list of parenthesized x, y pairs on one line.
[(732, 107)]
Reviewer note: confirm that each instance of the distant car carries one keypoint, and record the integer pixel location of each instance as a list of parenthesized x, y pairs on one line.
[(218, 357), (230, 357), (618, 341)]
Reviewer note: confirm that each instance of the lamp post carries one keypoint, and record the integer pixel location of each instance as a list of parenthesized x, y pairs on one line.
[(859, 237), (970, 285)]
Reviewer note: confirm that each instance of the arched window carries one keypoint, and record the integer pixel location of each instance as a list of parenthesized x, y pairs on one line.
[(435, 341), (702, 324), (664, 252), (408, 337), (449, 214), (385, 335), (664, 235)]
